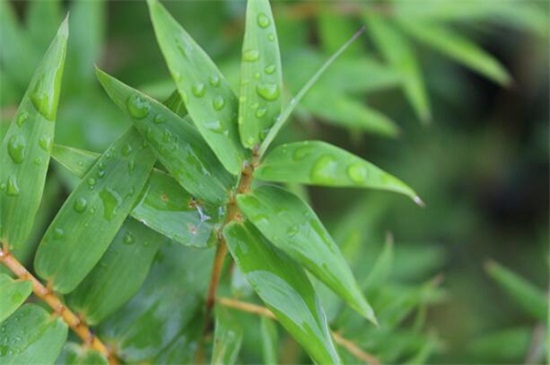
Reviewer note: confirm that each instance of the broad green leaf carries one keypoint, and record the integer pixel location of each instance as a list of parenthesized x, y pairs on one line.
[(14, 294), (261, 75), (93, 213), (175, 143), (205, 92), (31, 336), (291, 225), (285, 289), (228, 337), (397, 50), (270, 341), (119, 273), (319, 163), (525, 294), (76, 354), (25, 150), (458, 48), (42, 20)]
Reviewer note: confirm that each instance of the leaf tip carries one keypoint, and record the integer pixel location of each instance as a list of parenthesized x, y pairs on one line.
[(419, 201)]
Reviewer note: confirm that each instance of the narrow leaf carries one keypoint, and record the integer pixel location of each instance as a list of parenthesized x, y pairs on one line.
[(205, 92), (381, 270), (94, 212), (227, 338), (75, 354), (270, 341), (261, 75), (25, 150), (175, 143), (294, 227), (31, 336), (285, 289), (14, 294), (319, 163)]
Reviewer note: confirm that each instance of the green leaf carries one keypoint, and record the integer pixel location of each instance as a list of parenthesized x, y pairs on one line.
[(93, 213), (525, 294), (335, 31), (77, 161), (270, 341), (381, 269), (119, 273), (458, 48), (227, 338), (42, 20), (300, 234), (175, 104), (285, 289), (175, 143), (397, 50), (31, 336), (14, 294), (261, 75), (319, 163), (76, 354), (25, 150), (205, 92)]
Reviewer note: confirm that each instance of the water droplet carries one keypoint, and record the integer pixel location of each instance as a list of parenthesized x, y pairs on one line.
[(45, 143), (271, 37), (22, 118), (199, 89), (80, 205), (257, 75), (324, 170), (159, 119), (264, 133), (218, 103), (268, 91), (137, 107), (100, 174), (214, 80), (131, 166), (263, 20), (292, 231), (91, 183), (58, 233), (301, 153), (250, 141), (358, 172), (13, 186), (126, 150), (261, 112), (251, 55), (37, 161), (269, 69), (42, 102), (111, 201), (128, 239), (17, 148), (214, 126)]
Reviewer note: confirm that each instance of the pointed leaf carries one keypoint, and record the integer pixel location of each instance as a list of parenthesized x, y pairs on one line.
[(14, 294), (25, 150), (294, 227), (91, 216), (319, 163), (227, 338), (261, 75), (285, 289), (270, 341), (205, 92), (31, 336), (175, 143)]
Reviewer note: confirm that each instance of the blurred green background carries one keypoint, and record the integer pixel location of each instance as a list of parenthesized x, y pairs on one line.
[(477, 154)]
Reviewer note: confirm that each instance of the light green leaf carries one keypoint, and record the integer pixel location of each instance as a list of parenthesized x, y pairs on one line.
[(381, 270), (31, 336), (397, 50), (227, 338), (319, 163), (270, 341), (175, 142), (14, 294), (25, 150), (261, 75), (205, 92), (300, 234), (175, 104), (93, 213), (77, 161), (285, 289), (526, 295), (76, 354), (335, 31), (119, 273), (458, 48)]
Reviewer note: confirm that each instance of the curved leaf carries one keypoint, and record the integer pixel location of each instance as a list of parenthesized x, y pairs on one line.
[(294, 227), (285, 289), (320, 163), (14, 294), (227, 338)]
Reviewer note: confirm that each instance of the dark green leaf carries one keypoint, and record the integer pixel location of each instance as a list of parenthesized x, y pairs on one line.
[(285, 289), (227, 338), (14, 294), (75, 354), (270, 341)]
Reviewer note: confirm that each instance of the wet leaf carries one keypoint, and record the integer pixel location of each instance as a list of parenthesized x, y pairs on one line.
[(294, 227), (93, 213), (25, 150), (227, 338), (285, 289), (261, 75), (270, 341), (319, 163), (76, 354), (31, 336), (175, 142), (14, 294), (205, 92)]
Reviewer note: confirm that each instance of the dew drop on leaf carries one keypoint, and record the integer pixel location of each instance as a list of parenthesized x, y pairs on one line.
[(22, 118), (271, 37), (41, 102), (17, 148), (199, 89), (137, 107), (128, 239), (324, 169), (251, 55), (268, 91), (45, 143), (218, 103), (269, 69), (80, 205), (58, 233), (263, 20), (111, 200), (214, 126), (214, 80), (261, 112), (126, 150), (13, 186), (301, 153), (159, 119), (357, 172)]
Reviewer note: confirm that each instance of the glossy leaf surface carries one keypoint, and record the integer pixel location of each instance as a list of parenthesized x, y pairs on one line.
[(31, 336), (319, 163), (285, 289), (261, 75), (228, 337), (93, 213), (294, 227), (25, 150), (205, 92), (14, 294), (175, 142)]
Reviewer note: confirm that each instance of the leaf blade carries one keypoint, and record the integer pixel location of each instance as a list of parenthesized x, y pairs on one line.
[(228, 337), (14, 294)]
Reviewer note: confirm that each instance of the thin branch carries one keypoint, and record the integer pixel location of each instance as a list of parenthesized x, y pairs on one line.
[(246, 307), (49, 297)]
